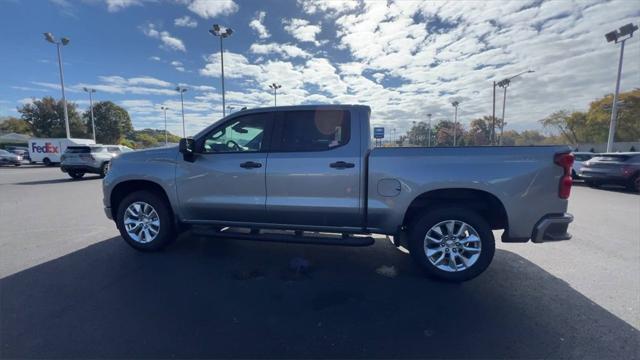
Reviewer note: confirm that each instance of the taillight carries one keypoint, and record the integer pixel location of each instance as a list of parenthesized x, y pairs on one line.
[(565, 161)]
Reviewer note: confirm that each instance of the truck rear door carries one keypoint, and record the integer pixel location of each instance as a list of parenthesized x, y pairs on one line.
[(314, 169)]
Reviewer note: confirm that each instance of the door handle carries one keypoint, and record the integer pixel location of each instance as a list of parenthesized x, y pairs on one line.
[(342, 165), (250, 165)]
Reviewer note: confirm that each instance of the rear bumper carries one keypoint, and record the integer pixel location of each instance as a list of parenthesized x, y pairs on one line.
[(552, 228), (80, 168)]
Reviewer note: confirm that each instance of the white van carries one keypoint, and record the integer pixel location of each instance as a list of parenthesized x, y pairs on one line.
[(48, 151)]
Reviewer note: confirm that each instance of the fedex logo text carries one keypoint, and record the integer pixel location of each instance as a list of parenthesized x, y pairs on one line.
[(47, 148)]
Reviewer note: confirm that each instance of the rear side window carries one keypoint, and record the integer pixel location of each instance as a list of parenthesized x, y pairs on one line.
[(613, 158), (97, 149), (314, 130), (113, 149), (582, 157), (78, 150)]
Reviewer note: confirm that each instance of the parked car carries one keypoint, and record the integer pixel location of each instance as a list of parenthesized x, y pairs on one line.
[(613, 168), (578, 161), (95, 159), (296, 173), (20, 152), (48, 151), (8, 158)]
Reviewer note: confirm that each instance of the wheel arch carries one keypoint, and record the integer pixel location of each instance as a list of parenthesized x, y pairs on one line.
[(484, 203), (121, 190)]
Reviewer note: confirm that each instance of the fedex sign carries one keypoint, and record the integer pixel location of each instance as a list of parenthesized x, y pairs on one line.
[(47, 148)]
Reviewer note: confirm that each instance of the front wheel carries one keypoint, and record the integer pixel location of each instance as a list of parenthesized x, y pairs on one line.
[(76, 175), (452, 244), (145, 222), (104, 169)]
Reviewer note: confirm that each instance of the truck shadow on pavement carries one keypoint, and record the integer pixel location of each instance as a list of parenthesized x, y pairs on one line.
[(224, 298), (57, 181)]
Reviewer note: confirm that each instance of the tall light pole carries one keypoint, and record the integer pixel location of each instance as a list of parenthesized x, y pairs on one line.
[(93, 124), (222, 33), (166, 136), (230, 107), (64, 41), (618, 36), (275, 88), (504, 83), (429, 131), (182, 90), (455, 121)]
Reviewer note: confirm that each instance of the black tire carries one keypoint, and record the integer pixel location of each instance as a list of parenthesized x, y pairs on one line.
[(76, 175), (634, 183), (166, 233), (592, 184), (574, 175), (18, 164), (46, 161), (418, 231), (104, 169)]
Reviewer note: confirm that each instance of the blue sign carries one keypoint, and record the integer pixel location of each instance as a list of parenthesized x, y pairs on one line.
[(378, 132)]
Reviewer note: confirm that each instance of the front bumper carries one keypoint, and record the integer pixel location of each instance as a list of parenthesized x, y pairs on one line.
[(107, 212), (80, 168), (552, 228)]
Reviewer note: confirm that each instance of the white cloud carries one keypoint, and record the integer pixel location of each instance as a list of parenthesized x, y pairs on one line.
[(208, 9), (155, 58), (178, 65), (331, 7), (185, 21), (167, 39), (285, 50), (257, 25), (302, 30), (116, 5)]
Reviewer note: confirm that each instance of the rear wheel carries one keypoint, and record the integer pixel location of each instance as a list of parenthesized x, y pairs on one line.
[(46, 162), (634, 183), (76, 175), (452, 244), (145, 221)]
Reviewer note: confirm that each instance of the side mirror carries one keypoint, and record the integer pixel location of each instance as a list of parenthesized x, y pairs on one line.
[(188, 148)]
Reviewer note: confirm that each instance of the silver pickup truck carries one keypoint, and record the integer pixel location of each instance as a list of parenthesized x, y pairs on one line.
[(308, 174)]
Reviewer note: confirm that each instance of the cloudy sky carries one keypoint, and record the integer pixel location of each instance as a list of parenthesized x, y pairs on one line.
[(405, 59)]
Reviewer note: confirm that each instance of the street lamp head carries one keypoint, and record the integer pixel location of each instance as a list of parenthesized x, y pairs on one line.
[(628, 29), (65, 41), (530, 71), (228, 32), (49, 37), (181, 89), (612, 36), (455, 103), (216, 28)]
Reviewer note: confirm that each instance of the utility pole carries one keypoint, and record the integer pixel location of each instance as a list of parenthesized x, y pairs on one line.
[(218, 31), (275, 88), (166, 136), (617, 36), (455, 121), (64, 41), (429, 131), (182, 90), (93, 124)]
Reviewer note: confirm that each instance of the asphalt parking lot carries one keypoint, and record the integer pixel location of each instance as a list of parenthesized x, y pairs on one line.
[(70, 287)]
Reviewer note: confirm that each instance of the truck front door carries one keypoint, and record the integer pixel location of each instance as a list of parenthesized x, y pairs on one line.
[(226, 179), (314, 169)]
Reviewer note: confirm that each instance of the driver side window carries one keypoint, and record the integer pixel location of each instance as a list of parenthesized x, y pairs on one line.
[(242, 134)]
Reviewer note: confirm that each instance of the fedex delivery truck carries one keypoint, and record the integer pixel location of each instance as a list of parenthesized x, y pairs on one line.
[(48, 151)]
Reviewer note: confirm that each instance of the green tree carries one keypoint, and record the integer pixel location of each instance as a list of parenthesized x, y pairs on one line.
[(599, 117), (480, 131), (570, 125), (46, 118), (418, 134), (112, 122), (15, 125), (146, 140)]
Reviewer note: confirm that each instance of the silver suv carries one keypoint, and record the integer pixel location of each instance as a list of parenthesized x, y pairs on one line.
[(79, 160)]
